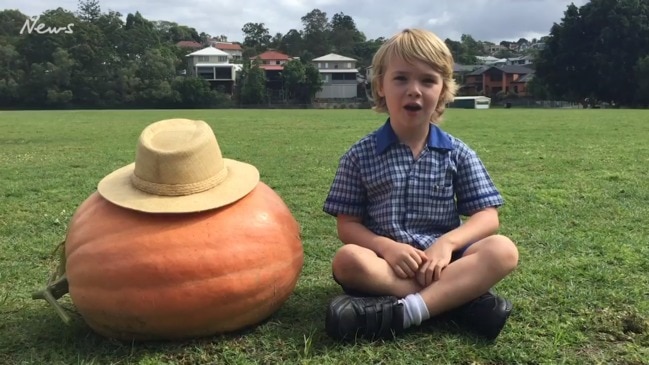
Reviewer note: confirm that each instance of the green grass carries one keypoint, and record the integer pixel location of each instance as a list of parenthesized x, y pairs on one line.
[(574, 181)]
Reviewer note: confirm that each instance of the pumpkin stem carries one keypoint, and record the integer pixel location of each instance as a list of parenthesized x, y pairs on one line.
[(57, 286), (53, 291)]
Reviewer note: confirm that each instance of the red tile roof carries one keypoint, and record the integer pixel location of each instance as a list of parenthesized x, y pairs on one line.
[(189, 44), (272, 55), (228, 46)]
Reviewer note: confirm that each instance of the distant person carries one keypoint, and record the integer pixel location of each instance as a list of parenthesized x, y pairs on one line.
[(398, 195)]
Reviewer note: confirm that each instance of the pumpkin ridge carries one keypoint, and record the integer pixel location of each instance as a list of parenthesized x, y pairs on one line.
[(211, 263), (167, 274)]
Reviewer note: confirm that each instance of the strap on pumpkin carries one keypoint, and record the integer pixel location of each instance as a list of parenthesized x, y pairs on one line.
[(57, 286)]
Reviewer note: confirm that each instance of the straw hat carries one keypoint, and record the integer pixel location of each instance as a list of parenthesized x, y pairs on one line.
[(178, 168)]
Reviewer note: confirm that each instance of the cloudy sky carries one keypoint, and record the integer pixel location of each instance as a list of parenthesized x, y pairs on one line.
[(487, 20)]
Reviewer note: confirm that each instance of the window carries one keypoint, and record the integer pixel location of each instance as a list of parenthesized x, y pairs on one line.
[(326, 65), (349, 65), (203, 59), (343, 76), (223, 73), (496, 77), (335, 65), (205, 72)]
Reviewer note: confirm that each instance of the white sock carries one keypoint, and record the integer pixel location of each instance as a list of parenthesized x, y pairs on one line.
[(414, 310)]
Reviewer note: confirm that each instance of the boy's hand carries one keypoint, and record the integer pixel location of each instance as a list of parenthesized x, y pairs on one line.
[(438, 257), (404, 259)]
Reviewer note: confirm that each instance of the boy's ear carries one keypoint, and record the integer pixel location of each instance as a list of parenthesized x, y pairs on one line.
[(380, 89)]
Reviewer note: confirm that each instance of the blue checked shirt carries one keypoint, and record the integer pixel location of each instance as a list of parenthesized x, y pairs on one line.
[(410, 200)]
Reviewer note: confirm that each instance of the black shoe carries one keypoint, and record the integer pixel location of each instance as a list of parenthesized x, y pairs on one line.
[(370, 318), (485, 315)]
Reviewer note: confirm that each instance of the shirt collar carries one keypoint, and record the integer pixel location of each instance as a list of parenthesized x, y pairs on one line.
[(437, 139)]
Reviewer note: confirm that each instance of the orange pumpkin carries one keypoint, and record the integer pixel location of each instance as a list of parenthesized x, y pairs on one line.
[(141, 276)]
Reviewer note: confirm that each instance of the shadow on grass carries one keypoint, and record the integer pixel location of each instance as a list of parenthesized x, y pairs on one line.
[(296, 331)]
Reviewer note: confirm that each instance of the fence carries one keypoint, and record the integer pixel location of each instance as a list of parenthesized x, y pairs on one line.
[(531, 103)]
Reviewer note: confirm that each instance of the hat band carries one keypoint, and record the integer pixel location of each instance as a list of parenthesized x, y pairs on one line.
[(179, 189)]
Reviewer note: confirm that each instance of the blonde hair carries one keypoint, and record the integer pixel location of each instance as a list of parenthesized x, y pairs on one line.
[(415, 45)]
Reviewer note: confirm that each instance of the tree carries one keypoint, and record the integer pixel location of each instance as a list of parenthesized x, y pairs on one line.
[(642, 73), (460, 52), (537, 89), (504, 53), (11, 22), (344, 34), (194, 92), (253, 88), (256, 38), (312, 83), (140, 34), (174, 33), (365, 51), (291, 43), (293, 76), (89, 10), (276, 41), (301, 81), (473, 48), (11, 75), (593, 52), (316, 33)]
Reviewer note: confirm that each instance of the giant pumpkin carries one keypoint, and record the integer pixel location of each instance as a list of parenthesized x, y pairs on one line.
[(141, 276)]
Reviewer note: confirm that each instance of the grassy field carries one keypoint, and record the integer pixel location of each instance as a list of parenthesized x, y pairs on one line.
[(576, 191)]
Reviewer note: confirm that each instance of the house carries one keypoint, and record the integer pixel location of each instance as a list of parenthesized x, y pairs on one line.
[(460, 71), (523, 60), (489, 80), (490, 60), (272, 62), (233, 49), (212, 65), (519, 86), (338, 74)]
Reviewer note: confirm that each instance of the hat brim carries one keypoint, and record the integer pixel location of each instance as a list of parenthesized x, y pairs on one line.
[(118, 189)]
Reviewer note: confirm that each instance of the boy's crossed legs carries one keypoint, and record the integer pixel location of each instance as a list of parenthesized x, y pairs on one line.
[(461, 287)]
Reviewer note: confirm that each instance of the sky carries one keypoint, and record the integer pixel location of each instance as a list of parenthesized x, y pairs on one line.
[(484, 20)]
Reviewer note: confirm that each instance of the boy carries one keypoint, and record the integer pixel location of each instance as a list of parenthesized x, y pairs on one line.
[(397, 197)]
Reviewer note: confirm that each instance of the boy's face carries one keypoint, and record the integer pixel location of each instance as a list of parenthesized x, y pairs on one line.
[(411, 91)]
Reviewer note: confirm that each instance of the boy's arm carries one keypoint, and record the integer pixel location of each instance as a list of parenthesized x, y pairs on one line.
[(404, 259), (352, 230), (480, 224)]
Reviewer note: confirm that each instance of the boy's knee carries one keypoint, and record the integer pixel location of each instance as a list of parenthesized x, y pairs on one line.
[(506, 252), (345, 262)]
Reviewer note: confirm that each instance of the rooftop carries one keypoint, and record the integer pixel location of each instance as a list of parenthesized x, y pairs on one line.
[(227, 45), (271, 55), (332, 57), (208, 51)]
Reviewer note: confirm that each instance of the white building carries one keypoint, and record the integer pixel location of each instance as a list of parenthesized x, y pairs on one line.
[(338, 74)]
